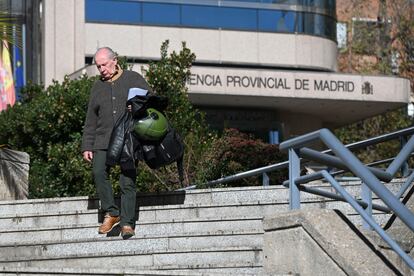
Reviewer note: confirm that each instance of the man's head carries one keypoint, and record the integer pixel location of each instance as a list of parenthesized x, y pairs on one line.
[(106, 61)]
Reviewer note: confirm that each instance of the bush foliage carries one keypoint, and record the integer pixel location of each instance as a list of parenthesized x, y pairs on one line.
[(236, 152)]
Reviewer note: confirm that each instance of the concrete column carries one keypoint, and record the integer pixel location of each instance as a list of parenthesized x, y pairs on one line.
[(63, 30)]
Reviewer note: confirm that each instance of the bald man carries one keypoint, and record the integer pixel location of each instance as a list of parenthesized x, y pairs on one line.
[(107, 102)]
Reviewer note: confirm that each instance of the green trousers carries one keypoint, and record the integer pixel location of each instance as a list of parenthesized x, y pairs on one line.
[(105, 192)]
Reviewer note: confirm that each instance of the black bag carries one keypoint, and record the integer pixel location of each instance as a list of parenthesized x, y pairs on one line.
[(165, 152)]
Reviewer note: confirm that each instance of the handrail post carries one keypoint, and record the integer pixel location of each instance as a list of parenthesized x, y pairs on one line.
[(265, 179), (404, 167), (366, 196), (294, 172)]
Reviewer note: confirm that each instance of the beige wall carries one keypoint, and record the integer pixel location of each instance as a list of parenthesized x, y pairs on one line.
[(63, 38), (216, 46)]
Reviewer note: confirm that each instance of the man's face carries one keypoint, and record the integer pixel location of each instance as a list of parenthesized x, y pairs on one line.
[(106, 66)]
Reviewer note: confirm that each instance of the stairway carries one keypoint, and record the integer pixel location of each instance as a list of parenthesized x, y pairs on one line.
[(198, 232)]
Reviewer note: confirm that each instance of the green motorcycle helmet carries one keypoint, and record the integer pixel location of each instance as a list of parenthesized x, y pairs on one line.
[(152, 127)]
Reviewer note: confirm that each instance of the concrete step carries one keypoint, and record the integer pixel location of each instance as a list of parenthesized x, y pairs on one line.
[(241, 257), (136, 246), (178, 212), (116, 271), (190, 227), (212, 231), (218, 197), (195, 197), (46, 205)]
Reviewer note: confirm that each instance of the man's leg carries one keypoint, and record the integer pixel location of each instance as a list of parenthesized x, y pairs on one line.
[(128, 201), (105, 193)]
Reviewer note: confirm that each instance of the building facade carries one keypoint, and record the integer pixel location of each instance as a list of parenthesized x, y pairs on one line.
[(267, 67)]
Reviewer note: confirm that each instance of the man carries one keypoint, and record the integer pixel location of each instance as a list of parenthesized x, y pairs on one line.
[(107, 102)]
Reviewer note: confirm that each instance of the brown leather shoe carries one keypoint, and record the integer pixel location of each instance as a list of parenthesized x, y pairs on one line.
[(108, 224), (127, 232)]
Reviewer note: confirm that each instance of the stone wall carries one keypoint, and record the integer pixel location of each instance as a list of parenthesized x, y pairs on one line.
[(14, 174)]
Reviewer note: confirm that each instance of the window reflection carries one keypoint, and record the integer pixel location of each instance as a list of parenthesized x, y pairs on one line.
[(219, 17), (161, 14), (121, 11), (216, 17), (278, 21)]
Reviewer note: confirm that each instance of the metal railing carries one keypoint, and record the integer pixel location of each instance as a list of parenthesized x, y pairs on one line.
[(344, 161), (263, 171)]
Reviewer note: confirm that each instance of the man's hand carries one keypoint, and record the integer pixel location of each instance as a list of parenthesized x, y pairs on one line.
[(88, 155), (129, 107)]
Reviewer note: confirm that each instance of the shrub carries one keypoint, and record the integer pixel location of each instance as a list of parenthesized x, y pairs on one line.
[(47, 124), (236, 152)]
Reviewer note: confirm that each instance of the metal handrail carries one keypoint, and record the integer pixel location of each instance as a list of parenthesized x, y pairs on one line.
[(355, 166), (346, 161), (345, 157), (379, 139), (254, 172), (282, 165)]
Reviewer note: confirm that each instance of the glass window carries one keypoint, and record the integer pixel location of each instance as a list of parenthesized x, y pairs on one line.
[(112, 11), (320, 24), (341, 34), (216, 17), (328, 5), (255, 1), (278, 21), (219, 17), (308, 23), (331, 6), (330, 28), (316, 24), (161, 14), (287, 2)]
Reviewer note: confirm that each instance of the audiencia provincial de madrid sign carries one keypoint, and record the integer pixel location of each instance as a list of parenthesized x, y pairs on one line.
[(300, 84)]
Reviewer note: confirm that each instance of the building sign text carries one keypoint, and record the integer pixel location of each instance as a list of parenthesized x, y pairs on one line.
[(237, 81)]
